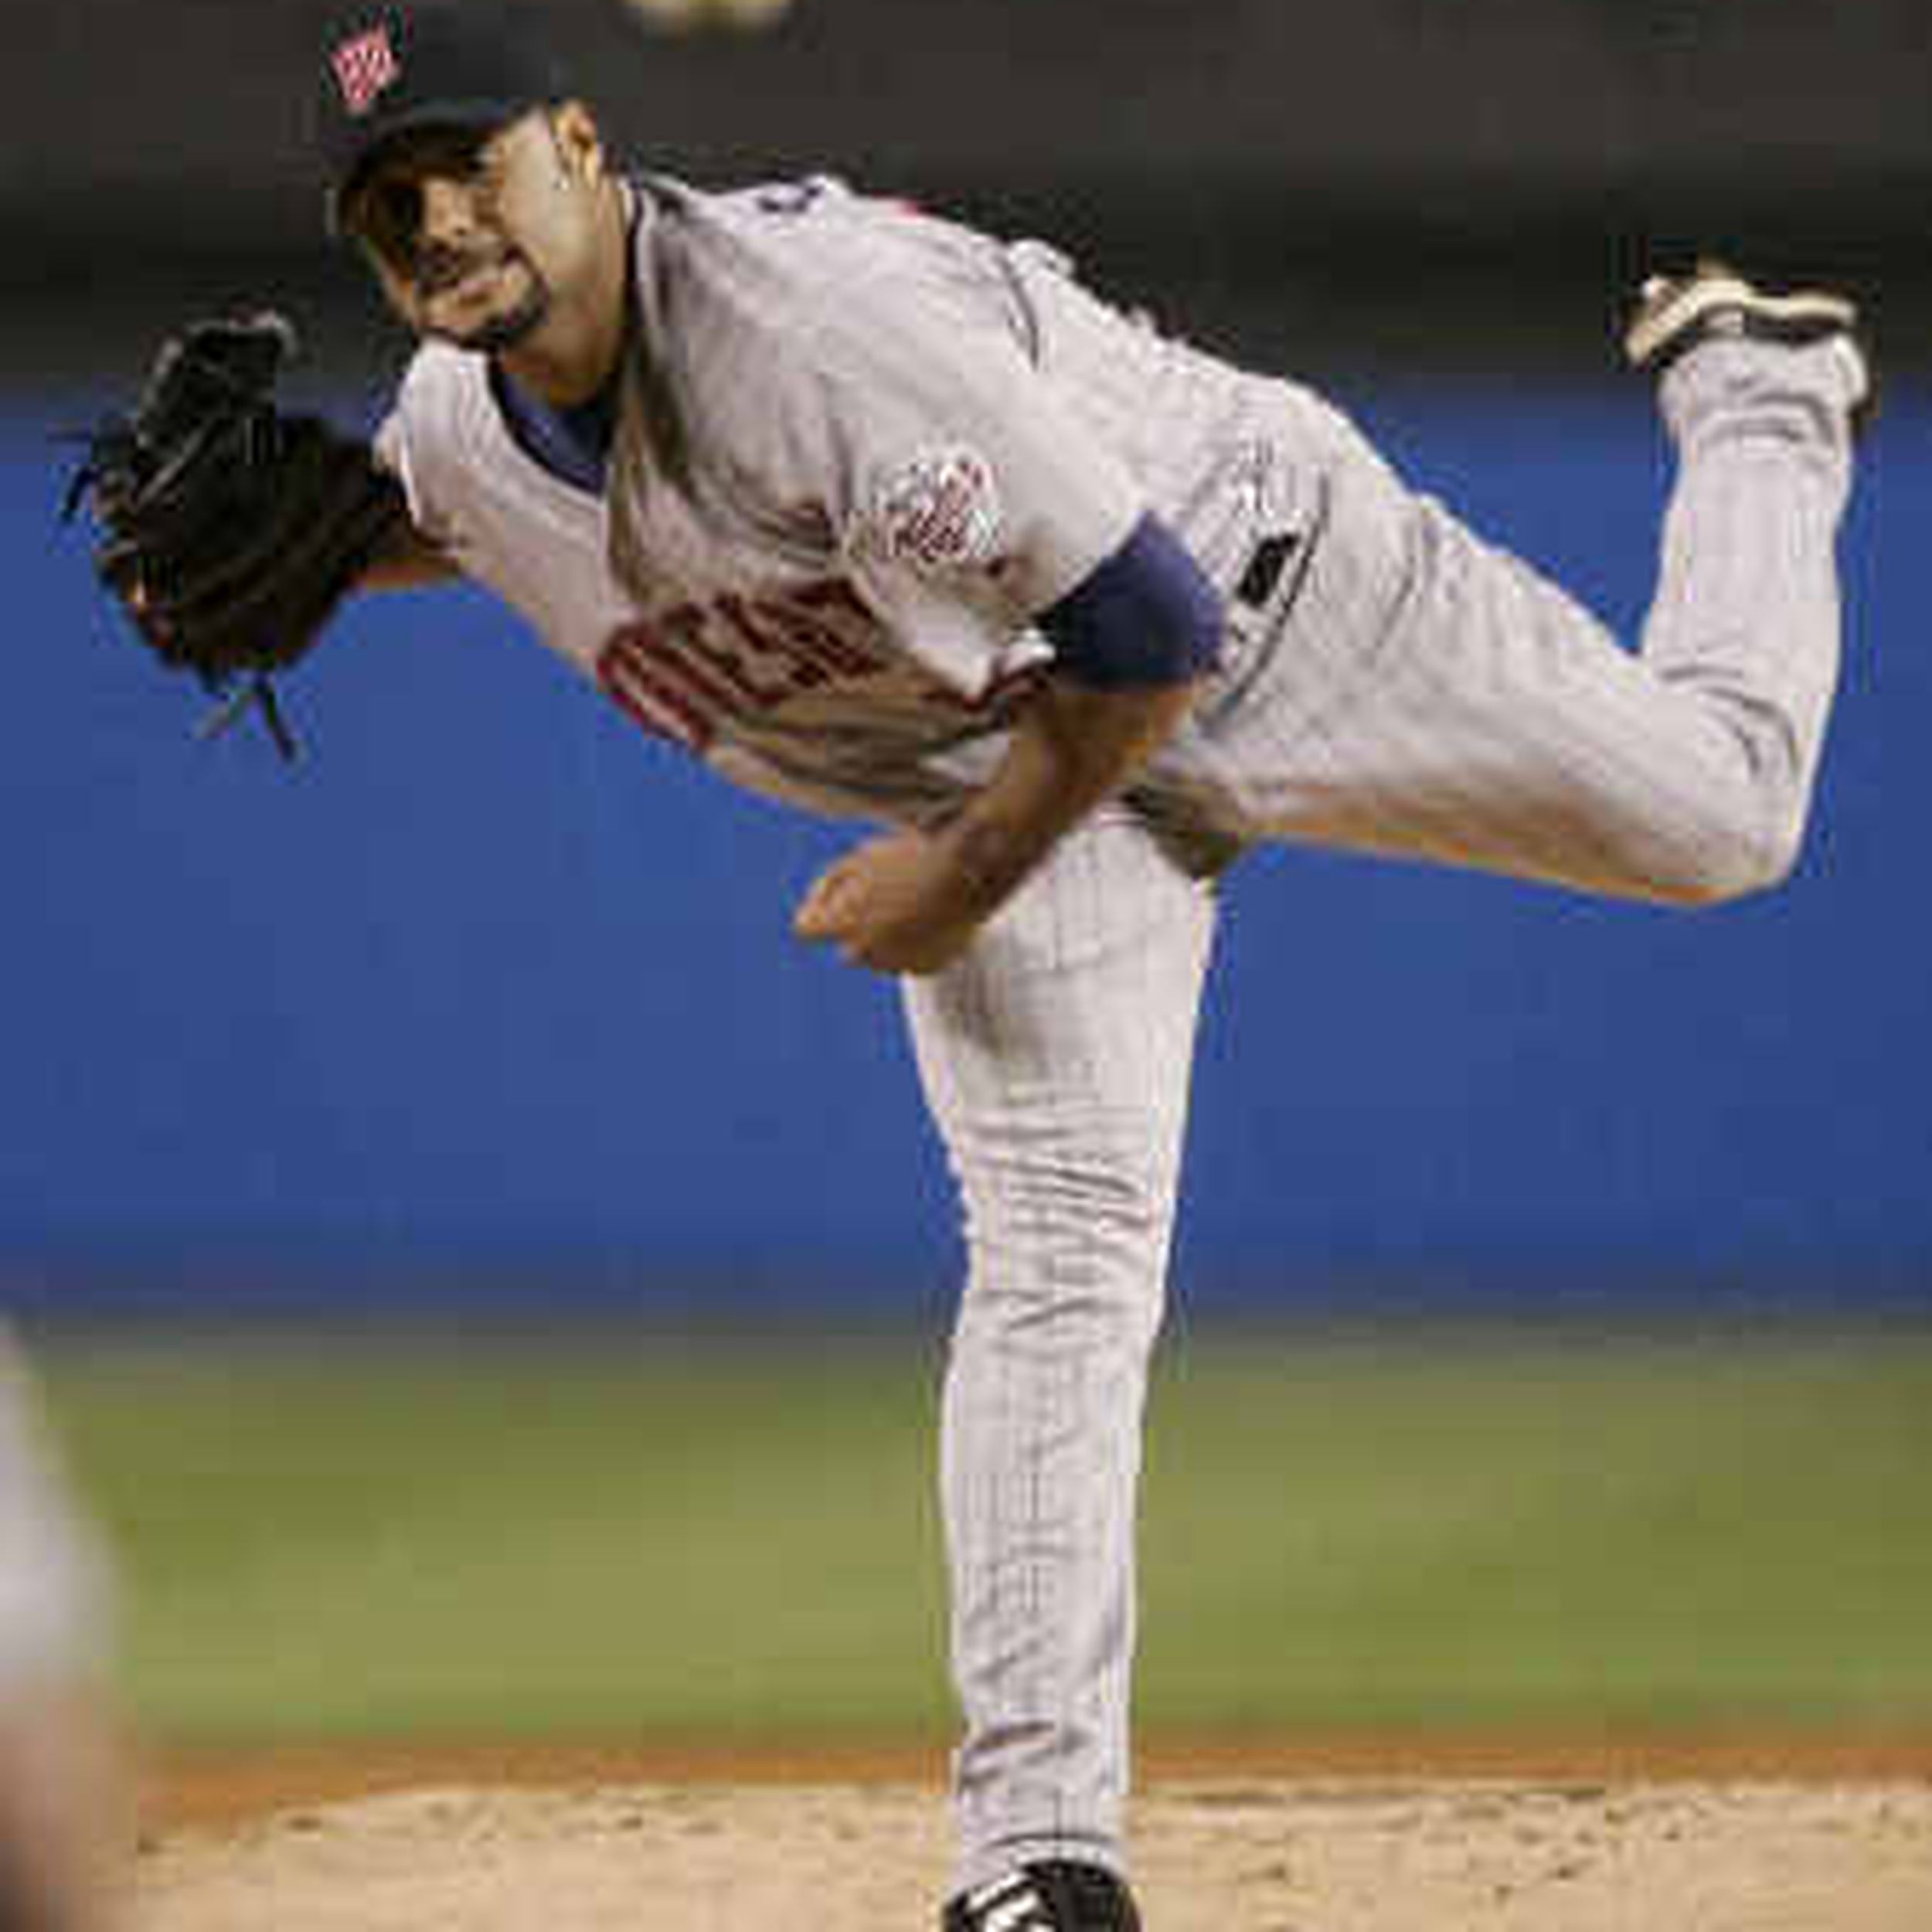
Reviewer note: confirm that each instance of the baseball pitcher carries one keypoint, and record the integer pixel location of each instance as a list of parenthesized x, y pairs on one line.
[(903, 523)]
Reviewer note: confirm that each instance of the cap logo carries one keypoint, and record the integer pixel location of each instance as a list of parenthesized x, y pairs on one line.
[(365, 67)]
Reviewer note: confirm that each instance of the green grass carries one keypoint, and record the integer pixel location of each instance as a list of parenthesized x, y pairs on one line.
[(1401, 1528), (1561, 1532)]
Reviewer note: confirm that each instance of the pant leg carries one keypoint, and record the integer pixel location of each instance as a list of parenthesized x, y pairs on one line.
[(1433, 697), (1055, 1058)]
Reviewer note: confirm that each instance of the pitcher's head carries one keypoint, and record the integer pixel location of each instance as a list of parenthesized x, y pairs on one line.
[(476, 187)]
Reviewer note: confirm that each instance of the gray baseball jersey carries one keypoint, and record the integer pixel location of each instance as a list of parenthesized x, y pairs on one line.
[(862, 449), (859, 450)]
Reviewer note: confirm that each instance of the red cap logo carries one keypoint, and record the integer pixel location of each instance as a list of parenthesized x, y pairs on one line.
[(363, 67)]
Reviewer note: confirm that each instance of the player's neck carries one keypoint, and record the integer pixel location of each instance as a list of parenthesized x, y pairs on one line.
[(573, 355)]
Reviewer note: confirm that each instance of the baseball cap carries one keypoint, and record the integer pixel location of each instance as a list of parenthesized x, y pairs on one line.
[(392, 70)]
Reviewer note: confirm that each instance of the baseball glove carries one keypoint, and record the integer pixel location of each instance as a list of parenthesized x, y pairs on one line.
[(229, 530)]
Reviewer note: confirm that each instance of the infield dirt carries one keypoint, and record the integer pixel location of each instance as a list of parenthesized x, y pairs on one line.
[(1638, 1836)]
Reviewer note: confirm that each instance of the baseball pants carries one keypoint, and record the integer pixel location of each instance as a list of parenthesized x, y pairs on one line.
[(1429, 696)]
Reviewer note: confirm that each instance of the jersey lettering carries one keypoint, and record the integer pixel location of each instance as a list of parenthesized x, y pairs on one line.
[(684, 673)]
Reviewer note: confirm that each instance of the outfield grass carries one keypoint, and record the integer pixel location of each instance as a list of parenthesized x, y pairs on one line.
[(1405, 1527), (1568, 1531)]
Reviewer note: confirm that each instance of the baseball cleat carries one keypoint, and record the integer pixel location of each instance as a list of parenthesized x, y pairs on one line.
[(1674, 313), (1054, 1895), (1713, 303)]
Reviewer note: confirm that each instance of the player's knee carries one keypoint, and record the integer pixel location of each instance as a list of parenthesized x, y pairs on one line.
[(1062, 1248), (1736, 862)]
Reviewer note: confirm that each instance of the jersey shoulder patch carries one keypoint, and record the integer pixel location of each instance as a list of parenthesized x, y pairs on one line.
[(937, 510)]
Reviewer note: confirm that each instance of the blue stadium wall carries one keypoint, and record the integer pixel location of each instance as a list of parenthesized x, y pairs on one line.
[(490, 1002)]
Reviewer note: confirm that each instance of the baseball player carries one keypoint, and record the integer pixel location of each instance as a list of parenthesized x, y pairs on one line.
[(901, 523), (64, 1840)]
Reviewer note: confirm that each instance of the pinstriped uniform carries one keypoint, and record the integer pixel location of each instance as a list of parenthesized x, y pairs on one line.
[(858, 450)]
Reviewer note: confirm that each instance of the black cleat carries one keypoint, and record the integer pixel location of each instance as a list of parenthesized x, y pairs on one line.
[(1055, 1895)]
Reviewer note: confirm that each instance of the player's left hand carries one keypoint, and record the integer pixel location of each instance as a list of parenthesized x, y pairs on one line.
[(228, 528), (898, 904)]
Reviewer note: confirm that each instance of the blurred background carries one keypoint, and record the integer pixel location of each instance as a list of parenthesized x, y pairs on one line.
[(1538, 1254)]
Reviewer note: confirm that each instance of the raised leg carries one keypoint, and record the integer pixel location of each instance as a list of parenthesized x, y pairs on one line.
[(1436, 698)]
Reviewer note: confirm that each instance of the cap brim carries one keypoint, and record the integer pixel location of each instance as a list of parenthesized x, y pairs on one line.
[(446, 115)]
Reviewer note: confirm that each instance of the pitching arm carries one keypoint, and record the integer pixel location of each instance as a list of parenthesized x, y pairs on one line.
[(1132, 644)]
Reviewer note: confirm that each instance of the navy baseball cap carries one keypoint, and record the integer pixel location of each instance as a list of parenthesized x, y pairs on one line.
[(393, 70)]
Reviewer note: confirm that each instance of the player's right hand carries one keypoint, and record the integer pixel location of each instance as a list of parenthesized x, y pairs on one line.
[(898, 904)]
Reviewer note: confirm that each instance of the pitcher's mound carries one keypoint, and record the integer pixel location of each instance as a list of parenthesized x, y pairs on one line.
[(1243, 1855)]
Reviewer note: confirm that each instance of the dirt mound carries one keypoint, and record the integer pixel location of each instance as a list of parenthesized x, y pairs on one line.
[(1212, 1855)]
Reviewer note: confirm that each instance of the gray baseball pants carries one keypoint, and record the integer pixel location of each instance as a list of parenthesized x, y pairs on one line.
[(1430, 697)]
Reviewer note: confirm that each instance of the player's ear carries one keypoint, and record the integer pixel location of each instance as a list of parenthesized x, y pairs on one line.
[(579, 142)]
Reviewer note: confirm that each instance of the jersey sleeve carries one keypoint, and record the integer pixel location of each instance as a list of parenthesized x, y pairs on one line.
[(410, 442), (967, 495)]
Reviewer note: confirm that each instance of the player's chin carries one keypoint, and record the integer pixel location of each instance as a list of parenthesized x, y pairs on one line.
[(490, 332)]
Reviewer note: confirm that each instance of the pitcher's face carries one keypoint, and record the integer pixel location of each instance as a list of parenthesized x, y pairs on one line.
[(479, 236)]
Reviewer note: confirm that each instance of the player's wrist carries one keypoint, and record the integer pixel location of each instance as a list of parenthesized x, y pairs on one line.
[(984, 855)]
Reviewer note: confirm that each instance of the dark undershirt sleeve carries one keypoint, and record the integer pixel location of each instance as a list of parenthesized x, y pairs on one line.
[(1147, 616)]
